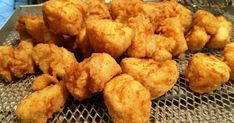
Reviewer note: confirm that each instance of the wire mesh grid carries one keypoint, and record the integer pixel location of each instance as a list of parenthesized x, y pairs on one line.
[(180, 104)]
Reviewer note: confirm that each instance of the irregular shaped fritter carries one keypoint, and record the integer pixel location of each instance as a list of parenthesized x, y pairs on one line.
[(63, 16), (206, 73), (43, 81), (172, 28), (52, 59), (89, 77), (33, 27), (121, 10), (197, 38), (22, 62), (222, 35), (228, 58), (16, 62), (108, 36), (40, 105), (127, 100), (157, 77), (6, 54)]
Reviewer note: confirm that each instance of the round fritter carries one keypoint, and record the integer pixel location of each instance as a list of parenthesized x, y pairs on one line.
[(228, 57), (127, 100), (6, 54), (63, 16), (43, 81), (108, 36), (89, 77), (157, 77), (197, 38), (206, 73)]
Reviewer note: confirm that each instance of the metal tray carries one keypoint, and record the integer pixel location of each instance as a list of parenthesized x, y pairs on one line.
[(180, 104)]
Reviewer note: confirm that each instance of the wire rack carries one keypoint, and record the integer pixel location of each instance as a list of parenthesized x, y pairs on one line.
[(180, 104)]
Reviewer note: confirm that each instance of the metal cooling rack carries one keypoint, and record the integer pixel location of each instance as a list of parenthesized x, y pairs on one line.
[(180, 104)]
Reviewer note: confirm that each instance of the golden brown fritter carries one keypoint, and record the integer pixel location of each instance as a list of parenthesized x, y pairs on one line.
[(6, 55), (127, 100), (197, 38), (157, 77), (40, 105), (33, 27), (22, 62), (108, 36), (63, 16), (43, 81), (16, 62), (222, 35), (172, 28), (52, 59), (206, 73), (228, 58), (89, 77)]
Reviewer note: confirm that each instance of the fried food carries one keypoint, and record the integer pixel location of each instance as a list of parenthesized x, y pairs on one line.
[(52, 59), (40, 105), (33, 27), (121, 10), (206, 29), (222, 35), (6, 55), (228, 58), (64, 17), (197, 38), (16, 62), (89, 77), (206, 73), (43, 81), (127, 100), (108, 36), (157, 77), (172, 28)]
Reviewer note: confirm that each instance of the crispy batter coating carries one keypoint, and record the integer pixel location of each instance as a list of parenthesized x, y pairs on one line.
[(157, 77), (109, 36), (222, 35), (43, 81), (40, 105), (172, 28), (206, 73), (52, 59), (127, 100), (89, 77), (16, 62), (63, 16), (6, 55), (197, 38), (33, 27), (228, 58)]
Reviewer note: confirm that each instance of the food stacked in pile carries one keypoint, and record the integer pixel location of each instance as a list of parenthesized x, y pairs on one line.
[(143, 37)]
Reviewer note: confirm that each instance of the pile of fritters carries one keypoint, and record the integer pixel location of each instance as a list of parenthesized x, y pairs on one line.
[(143, 37)]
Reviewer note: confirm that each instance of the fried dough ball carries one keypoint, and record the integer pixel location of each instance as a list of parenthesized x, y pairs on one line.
[(228, 58), (197, 38), (206, 73), (63, 16), (89, 77), (108, 36), (121, 10), (16, 62), (52, 59), (222, 35), (43, 81), (40, 105), (33, 27), (157, 77), (127, 100), (6, 54), (172, 28)]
